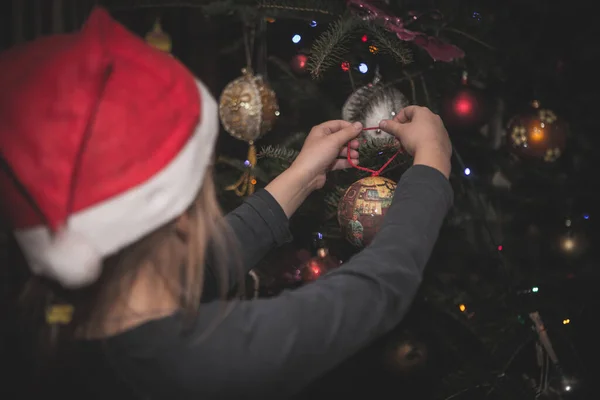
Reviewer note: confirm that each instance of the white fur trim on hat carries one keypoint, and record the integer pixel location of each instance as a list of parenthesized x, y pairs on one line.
[(74, 256)]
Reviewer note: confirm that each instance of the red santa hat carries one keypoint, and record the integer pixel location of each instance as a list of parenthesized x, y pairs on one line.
[(103, 139)]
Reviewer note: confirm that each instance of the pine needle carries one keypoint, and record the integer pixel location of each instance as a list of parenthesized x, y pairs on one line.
[(302, 9), (331, 46), (388, 43), (280, 153)]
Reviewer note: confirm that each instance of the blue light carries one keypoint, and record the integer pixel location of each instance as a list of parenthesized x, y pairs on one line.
[(319, 235), (467, 171), (586, 216), (296, 38), (363, 68), (313, 23)]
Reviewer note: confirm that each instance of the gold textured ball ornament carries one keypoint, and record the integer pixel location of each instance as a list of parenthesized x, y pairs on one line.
[(363, 207), (538, 134), (248, 107)]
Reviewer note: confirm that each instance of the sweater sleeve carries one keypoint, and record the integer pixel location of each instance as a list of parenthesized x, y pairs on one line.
[(258, 225), (274, 347)]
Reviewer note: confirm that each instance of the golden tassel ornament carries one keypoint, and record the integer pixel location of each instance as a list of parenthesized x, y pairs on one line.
[(245, 185)]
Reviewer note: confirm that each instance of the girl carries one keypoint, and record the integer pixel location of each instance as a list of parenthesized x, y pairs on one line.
[(106, 145)]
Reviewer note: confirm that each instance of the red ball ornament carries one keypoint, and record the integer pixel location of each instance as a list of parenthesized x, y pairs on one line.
[(538, 134), (298, 63), (465, 109), (361, 210)]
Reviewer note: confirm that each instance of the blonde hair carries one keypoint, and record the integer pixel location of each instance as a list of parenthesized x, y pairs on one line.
[(208, 235)]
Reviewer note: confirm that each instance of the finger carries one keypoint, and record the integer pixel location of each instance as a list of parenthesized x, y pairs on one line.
[(333, 126), (406, 114), (355, 144), (343, 164), (344, 152), (393, 127), (345, 135)]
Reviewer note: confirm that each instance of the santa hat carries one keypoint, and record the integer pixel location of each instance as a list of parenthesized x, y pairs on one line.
[(103, 139)]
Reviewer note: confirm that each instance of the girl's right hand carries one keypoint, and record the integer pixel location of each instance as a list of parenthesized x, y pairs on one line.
[(423, 135)]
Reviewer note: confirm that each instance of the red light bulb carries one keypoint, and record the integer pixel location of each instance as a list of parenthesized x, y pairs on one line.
[(463, 104)]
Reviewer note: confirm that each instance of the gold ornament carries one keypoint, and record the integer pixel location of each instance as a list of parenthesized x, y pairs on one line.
[(361, 210), (538, 133), (159, 39), (248, 110), (248, 107)]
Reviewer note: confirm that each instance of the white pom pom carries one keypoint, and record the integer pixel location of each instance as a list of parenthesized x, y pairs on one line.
[(72, 261)]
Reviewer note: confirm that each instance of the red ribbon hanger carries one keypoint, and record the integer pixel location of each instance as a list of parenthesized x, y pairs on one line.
[(372, 171)]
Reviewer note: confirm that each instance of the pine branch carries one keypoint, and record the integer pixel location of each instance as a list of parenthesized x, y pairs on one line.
[(209, 7), (240, 166), (331, 46), (333, 197), (375, 152), (280, 153), (295, 139), (304, 91), (389, 44), (302, 9)]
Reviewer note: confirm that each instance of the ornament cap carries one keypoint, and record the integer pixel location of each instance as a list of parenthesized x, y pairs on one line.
[(157, 28), (157, 38)]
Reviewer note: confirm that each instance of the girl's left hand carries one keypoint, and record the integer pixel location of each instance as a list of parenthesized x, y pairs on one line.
[(322, 147)]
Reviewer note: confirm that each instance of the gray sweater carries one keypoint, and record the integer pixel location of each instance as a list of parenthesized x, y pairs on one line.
[(272, 348)]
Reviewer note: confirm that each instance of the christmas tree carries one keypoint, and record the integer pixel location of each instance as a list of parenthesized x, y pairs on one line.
[(513, 265)]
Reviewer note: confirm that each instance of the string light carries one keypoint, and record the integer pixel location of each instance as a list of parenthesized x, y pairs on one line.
[(373, 49), (364, 38), (346, 66), (568, 244), (363, 68), (462, 308), (535, 289), (467, 171), (566, 321), (313, 23), (586, 216), (296, 38), (500, 248)]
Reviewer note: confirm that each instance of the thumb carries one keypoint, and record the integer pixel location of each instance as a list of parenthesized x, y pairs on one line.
[(393, 127), (345, 135)]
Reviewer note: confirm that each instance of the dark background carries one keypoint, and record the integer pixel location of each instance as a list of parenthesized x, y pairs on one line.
[(545, 50)]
